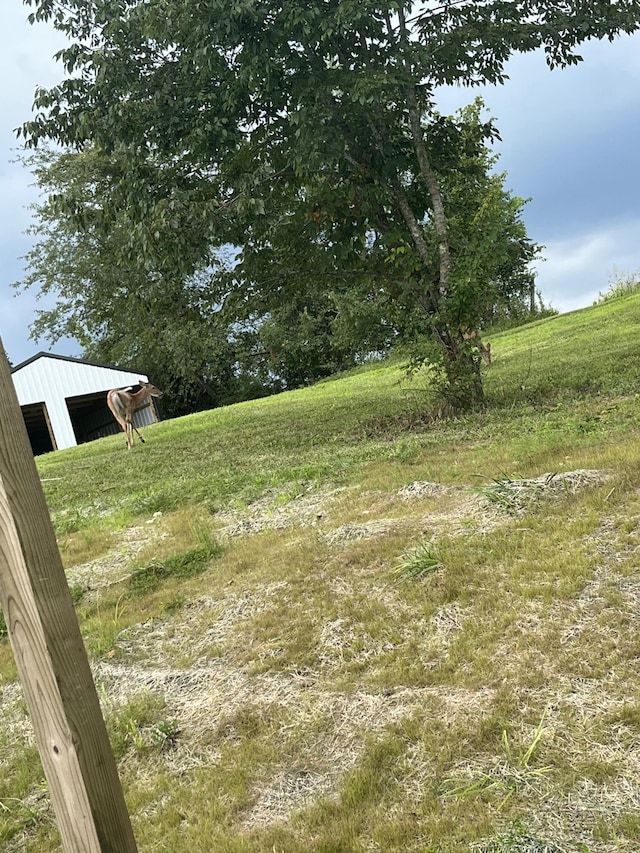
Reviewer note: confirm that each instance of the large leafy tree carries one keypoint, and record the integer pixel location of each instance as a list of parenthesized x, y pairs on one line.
[(221, 108), (317, 289), (338, 272)]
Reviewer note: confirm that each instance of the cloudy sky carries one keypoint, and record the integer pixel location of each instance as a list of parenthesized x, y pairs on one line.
[(569, 142)]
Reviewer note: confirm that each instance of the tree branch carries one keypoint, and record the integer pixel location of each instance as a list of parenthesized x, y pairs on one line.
[(427, 173)]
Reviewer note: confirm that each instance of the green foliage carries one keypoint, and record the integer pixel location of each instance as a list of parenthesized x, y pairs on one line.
[(78, 591), (164, 733), (518, 312), (334, 290), (621, 284), (128, 305), (308, 136), (501, 493)]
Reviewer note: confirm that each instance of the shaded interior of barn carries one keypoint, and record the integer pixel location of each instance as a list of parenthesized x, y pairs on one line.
[(89, 415)]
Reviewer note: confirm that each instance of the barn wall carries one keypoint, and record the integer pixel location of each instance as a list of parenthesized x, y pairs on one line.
[(53, 380)]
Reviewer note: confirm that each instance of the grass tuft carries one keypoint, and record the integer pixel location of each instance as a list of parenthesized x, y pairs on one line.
[(516, 496), (417, 564), (513, 775), (186, 565), (518, 840)]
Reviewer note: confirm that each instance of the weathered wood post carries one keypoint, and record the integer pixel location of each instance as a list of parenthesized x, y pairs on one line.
[(50, 655)]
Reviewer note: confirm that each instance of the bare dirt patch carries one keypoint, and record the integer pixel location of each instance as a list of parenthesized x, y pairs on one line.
[(201, 699), (281, 511)]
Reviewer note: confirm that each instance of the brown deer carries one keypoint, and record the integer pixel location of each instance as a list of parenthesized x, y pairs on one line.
[(123, 403), (474, 336)]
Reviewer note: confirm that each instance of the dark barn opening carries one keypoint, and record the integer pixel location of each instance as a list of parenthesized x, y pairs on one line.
[(36, 419), (90, 417)]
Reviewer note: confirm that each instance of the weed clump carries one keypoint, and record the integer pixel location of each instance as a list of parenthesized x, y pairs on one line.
[(186, 565), (140, 725), (417, 564), (517, 841)]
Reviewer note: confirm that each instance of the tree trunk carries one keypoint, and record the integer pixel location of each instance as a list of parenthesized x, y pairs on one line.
[(532, 297), (463, 388)]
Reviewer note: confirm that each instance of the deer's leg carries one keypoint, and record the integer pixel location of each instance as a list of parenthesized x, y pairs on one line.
[(123, 426), (118, 410), (130, 430), (138, 434)]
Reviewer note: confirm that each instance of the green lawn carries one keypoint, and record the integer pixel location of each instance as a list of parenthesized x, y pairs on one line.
[(328, 621)]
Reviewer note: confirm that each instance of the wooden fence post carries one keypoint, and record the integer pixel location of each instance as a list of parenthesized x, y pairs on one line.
[(51, 659)]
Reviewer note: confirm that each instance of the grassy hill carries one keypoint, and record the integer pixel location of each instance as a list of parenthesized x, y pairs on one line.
[(327, 621)]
